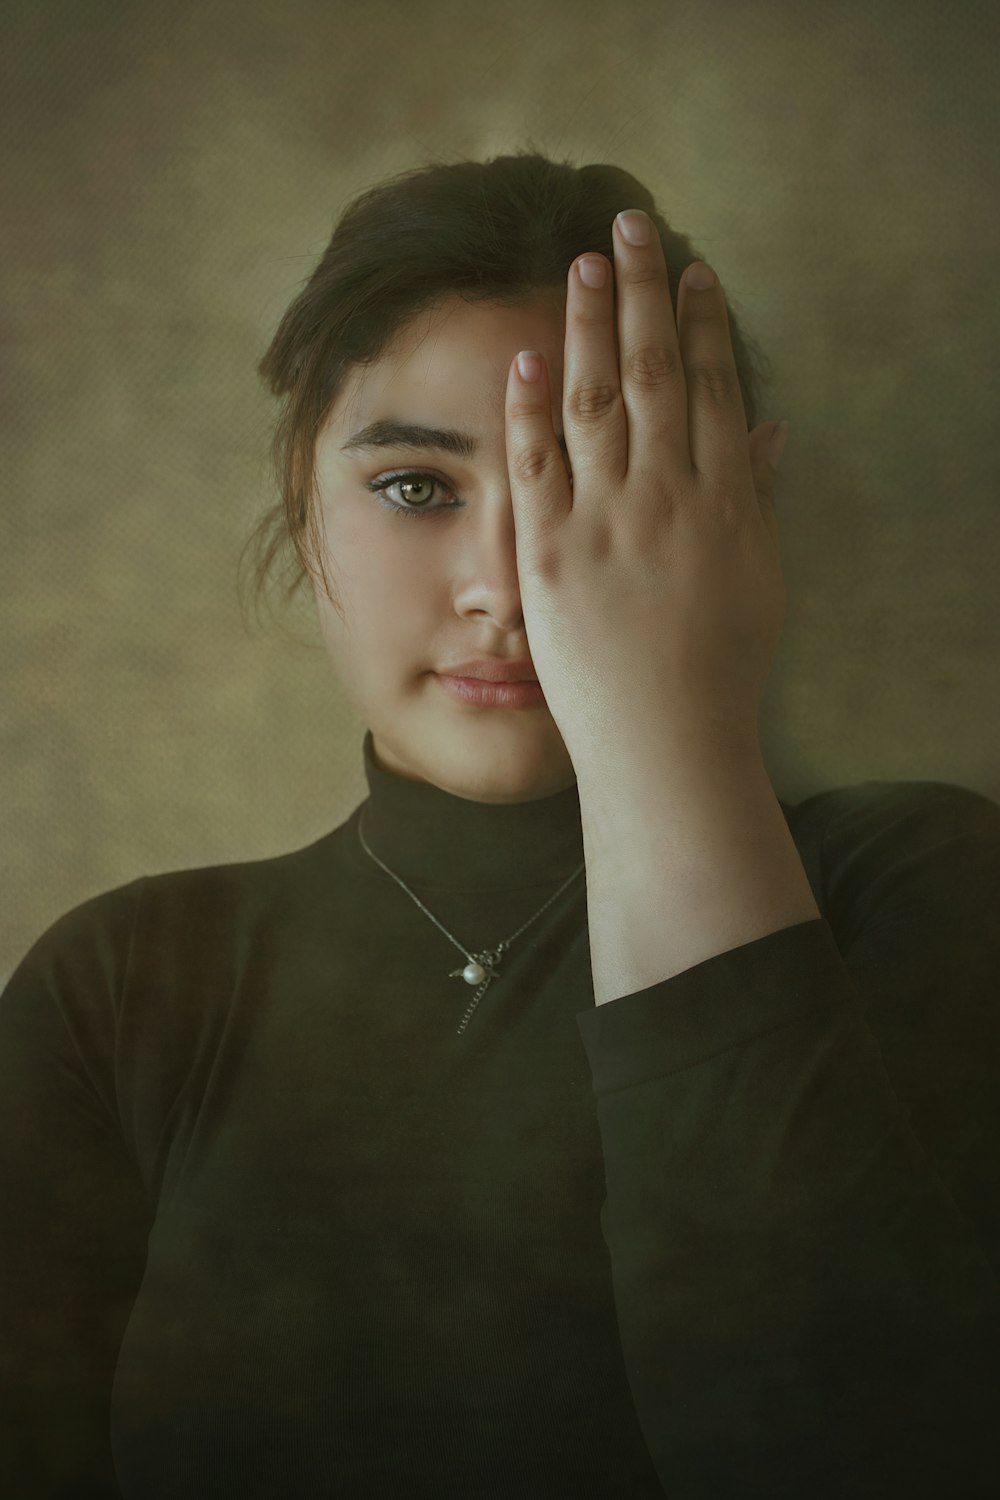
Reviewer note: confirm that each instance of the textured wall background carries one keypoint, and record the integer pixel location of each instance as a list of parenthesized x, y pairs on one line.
[(173, 171)]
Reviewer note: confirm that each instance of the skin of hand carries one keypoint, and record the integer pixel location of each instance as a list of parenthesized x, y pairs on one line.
[(650, 577)]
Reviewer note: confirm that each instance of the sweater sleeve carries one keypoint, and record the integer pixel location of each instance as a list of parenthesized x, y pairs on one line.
[(802, 1211), (74, 1218)]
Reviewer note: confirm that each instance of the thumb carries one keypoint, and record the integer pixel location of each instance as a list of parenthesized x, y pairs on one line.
[(776, 443), (765, 455)]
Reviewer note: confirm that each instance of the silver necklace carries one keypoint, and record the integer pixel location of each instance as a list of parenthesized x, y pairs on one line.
[(481, 967)]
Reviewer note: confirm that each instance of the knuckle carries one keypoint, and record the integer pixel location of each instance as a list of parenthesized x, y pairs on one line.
[(592, 398), (524, 411), (644, 275), (717, 382), (590, 316), (652, 364), (535, 462), (547, 553)]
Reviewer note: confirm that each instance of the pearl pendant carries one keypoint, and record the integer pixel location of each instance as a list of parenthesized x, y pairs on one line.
[(473, 973)]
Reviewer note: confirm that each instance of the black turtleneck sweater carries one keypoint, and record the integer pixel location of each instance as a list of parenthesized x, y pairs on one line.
[(273, 1227)]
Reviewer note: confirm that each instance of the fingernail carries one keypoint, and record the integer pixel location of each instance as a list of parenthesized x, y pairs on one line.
[(700, 276), (635, 226), (776, 444), (529, 366), (593, 270)]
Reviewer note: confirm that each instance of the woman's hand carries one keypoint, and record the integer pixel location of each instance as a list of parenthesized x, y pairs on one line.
[(651, 585)]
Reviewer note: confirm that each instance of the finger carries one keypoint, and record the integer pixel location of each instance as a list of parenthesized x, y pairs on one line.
[(539, 483), (764, 473), (654, 387), (717, 424), (593, 410)]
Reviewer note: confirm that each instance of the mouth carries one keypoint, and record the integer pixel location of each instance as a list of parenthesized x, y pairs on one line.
[(491, 669), (482, 693)]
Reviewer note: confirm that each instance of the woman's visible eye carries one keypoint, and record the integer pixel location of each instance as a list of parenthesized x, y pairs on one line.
[(412, 480)]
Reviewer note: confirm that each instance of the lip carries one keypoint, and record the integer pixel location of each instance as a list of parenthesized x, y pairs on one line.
[(483, 694), (491, 669)]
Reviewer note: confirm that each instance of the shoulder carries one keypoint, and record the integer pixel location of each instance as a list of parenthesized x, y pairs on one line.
[(95, 939), (925, 809), (120, 995), (883, 847)]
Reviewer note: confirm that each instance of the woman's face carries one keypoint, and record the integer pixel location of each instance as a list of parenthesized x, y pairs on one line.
[(422, 593)]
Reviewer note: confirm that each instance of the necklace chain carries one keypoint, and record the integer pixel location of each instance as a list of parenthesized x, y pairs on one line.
[(481, 965)]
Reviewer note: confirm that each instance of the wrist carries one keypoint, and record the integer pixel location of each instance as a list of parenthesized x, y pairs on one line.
[(683, 764), (710, 804)]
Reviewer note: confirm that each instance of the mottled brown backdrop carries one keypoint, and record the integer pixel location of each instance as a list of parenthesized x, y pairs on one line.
[(173, 170)]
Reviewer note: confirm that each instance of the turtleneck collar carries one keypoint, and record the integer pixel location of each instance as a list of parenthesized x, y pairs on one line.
[(434, 839)]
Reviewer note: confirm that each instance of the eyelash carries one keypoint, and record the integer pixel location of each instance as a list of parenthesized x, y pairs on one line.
[(377, 485)]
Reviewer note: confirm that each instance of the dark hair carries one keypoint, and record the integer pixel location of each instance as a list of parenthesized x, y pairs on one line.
[(500, 231)]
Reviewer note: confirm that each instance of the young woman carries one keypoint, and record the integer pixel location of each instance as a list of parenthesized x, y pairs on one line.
[(576, 1118)]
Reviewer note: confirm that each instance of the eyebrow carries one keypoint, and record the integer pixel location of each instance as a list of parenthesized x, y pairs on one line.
[(390, 433)]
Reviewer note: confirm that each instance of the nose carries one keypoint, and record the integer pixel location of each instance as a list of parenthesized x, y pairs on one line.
[(486, 579)]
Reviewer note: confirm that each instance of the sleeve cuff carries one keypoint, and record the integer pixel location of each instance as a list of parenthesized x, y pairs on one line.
[(716, 1005)]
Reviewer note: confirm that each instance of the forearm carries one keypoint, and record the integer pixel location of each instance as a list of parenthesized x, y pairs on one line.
[(685, 859)]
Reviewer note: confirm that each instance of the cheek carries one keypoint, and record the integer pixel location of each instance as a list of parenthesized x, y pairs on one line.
[(389, 596), (389, 577), (389, 582), (396, 556)]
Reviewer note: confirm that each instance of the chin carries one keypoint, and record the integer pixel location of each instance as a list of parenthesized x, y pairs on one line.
[(492, 755), (515, 765)]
